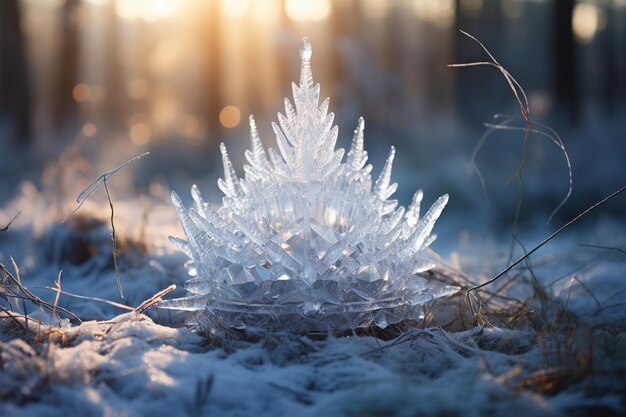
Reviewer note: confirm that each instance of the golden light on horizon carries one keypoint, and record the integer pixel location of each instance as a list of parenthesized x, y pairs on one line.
[(235, 8), (147, 10), (230, 116), (302, 10), (585, 22)]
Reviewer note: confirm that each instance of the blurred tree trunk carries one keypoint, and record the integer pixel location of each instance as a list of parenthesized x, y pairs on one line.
[(67, 66), (115, 104), (565, 68), (212, 34), (15, 111), (610, 75)]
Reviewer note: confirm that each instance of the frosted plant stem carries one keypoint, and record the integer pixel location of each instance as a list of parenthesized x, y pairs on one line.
[(114, 241), (543, 242)]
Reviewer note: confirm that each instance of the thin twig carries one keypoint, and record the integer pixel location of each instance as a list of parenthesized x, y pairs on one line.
[(153, 300), (533, 250), (85, 297), (114, 242), (32, 297), (6, 228), (93, 187), (57, 283), (622, 251), (529, 126)]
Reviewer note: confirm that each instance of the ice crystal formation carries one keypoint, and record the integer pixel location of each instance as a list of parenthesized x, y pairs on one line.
[(305, 241)]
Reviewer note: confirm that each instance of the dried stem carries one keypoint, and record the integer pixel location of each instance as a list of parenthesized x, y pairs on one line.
[(533, 250), (6, 228), (114, 241)]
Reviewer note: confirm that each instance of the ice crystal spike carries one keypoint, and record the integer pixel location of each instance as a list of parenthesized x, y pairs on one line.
[(305, 241)]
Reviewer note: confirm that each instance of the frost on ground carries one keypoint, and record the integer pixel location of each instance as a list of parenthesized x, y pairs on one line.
[(548, 345)]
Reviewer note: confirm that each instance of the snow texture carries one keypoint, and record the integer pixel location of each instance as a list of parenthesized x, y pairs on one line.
[(306, 241), (131, 366)]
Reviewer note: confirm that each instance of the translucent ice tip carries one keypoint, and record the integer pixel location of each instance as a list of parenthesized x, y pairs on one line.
[(306, 77), (305, 49)]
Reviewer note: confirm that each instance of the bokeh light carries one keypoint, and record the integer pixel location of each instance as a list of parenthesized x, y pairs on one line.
[(140, 133), (585, 21), (81, 92), (230, 116), (89, 129)]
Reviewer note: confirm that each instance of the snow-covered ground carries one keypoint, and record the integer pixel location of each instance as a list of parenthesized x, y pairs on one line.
[(564, 354)]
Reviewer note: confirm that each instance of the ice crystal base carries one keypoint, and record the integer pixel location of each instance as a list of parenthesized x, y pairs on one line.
[(305, 241)]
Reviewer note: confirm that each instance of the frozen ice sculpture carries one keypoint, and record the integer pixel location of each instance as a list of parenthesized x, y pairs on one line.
[(304, 241)]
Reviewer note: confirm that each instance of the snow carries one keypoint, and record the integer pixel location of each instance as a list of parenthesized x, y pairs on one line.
[(130, 365)]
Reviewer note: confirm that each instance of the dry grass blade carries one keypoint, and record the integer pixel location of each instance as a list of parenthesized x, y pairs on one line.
[(85, 297), (6, 228), (533, 250), (518, 91), (92, 188), (28, 295), (153, 300), (612, 248), (114, 242), (529, 127), (57, 284), (540, 129)]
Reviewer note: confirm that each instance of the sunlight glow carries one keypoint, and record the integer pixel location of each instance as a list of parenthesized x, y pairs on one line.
[(308, 9), (147, 10), (585, 22), (235, 8), (266, 12), (438, 12)]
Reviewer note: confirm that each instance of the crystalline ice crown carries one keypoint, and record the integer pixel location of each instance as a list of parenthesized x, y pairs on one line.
[(305, 241)]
